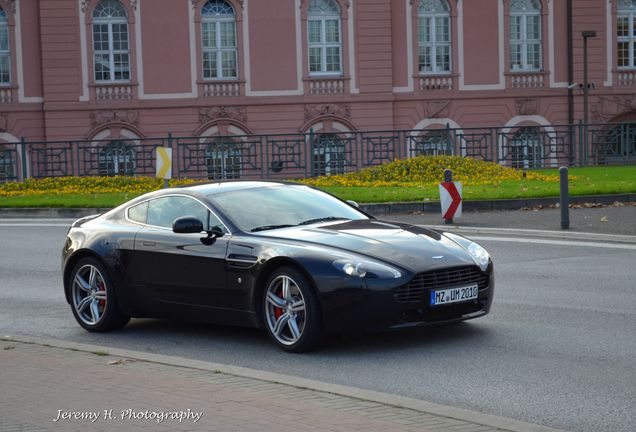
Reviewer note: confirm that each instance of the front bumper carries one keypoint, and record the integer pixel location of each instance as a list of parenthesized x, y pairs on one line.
[(377, 309)]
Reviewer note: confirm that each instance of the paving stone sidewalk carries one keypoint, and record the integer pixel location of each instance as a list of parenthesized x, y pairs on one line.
[(40, 385)]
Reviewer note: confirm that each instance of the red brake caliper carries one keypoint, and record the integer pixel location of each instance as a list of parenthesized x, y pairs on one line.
[(278, 311), (100, 287)]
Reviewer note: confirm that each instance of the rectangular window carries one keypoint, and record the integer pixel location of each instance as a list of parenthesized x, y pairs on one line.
[(209, 65), (5, 56), (111, 53), (219, 49), (525, 42), (228, 35), (209, 34), (325, 53), (332, 32), (314, 31), (626, 40)]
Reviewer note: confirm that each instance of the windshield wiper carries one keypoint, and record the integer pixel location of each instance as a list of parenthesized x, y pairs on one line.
[(323, 219), (270, 227)]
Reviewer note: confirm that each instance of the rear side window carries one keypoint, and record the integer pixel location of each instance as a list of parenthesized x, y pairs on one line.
[(138, 213), (162, 212)]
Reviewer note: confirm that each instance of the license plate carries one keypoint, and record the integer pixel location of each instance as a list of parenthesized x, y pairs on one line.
[(454, 295)]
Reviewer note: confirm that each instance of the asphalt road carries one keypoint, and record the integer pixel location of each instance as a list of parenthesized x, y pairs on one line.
[(558, 348)]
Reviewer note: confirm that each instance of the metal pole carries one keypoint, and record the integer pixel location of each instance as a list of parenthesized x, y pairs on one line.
[(168, 145), (585, 84), (586, 88), (448, 177), (23, 156), (565, 198)]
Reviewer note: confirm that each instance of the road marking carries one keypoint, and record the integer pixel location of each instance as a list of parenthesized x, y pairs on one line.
[(556, 242)]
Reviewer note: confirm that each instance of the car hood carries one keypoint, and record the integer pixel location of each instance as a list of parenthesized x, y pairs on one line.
[(414, 248)]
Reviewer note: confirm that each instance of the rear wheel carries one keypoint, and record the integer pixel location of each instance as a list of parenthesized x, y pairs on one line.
[(291, 311), (93, 298)]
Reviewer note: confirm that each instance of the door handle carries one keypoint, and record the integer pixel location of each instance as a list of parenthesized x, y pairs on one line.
[(148, 243)]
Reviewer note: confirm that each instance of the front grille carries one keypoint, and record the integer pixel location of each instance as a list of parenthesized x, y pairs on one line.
[(422, 283)]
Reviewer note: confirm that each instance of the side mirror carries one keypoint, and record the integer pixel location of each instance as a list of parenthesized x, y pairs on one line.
[(353, 203), (187, 225)]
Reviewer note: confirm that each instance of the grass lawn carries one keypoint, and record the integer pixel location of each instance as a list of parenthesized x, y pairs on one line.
[(589, 181)]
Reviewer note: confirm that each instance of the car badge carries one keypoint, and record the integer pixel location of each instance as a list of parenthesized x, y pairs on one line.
[(438, 257)]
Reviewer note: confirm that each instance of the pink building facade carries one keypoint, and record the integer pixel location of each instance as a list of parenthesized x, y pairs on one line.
[(104, 71)]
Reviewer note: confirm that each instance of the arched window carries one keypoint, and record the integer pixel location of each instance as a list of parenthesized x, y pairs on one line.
[(625, 34), (223, 159), (5, 53), (324, 37), (525, 35), (328, 155), (117, 158), (526, 148), (111, 47), (434, 37), (432, 143), (218, 32)]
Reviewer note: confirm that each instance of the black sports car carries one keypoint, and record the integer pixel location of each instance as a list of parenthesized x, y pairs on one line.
[(287, 257)]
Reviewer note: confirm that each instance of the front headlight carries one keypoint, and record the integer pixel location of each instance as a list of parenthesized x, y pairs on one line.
[(476, 252), (366, 268), (479, 254)]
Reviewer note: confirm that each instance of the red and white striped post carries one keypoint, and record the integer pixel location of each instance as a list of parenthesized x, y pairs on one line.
[(450, 196)]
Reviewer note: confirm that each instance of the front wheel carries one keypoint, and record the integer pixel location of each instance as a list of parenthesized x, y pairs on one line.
[(93, 298), (291, 311)]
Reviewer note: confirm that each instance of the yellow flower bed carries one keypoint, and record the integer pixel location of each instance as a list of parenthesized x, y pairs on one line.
[(85, 185), (429, 170)]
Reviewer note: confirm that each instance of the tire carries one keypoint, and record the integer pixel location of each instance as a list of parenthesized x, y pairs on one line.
[(93, 297), (291, 311)]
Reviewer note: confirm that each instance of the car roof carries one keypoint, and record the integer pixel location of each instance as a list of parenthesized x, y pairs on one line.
[(213, 188)]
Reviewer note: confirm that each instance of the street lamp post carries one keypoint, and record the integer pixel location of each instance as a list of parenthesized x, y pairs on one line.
[(586, 89)]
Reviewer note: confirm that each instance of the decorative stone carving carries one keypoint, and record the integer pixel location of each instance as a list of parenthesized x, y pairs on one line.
[(608, 107), (4, 122), (121, 116), (337, 110), (437, 108), (84, 4), (527, 106), (11, 5), (238, 113)]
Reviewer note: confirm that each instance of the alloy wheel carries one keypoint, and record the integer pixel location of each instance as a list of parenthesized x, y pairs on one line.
[(285, 310), (89, 294)]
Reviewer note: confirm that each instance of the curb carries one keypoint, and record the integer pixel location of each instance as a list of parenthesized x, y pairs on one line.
[(492, 205), (378, 209), (542, 234), (303, 383)]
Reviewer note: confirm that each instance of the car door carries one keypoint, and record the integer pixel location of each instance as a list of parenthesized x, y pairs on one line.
[(178, 269)]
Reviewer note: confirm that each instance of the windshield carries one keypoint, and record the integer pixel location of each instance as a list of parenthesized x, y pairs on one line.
[(280, 206)]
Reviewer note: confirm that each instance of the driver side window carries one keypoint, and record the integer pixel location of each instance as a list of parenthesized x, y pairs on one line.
[(163, 211)]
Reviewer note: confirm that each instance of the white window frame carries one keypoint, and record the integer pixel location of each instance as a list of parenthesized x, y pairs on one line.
[(524, 42), (110, 21), (524, 143), (433, 43), (328, 147), (5, 54), (221, 157), (433, 142), (121, 156), (628, 12), (323, 45), (218, 49)]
